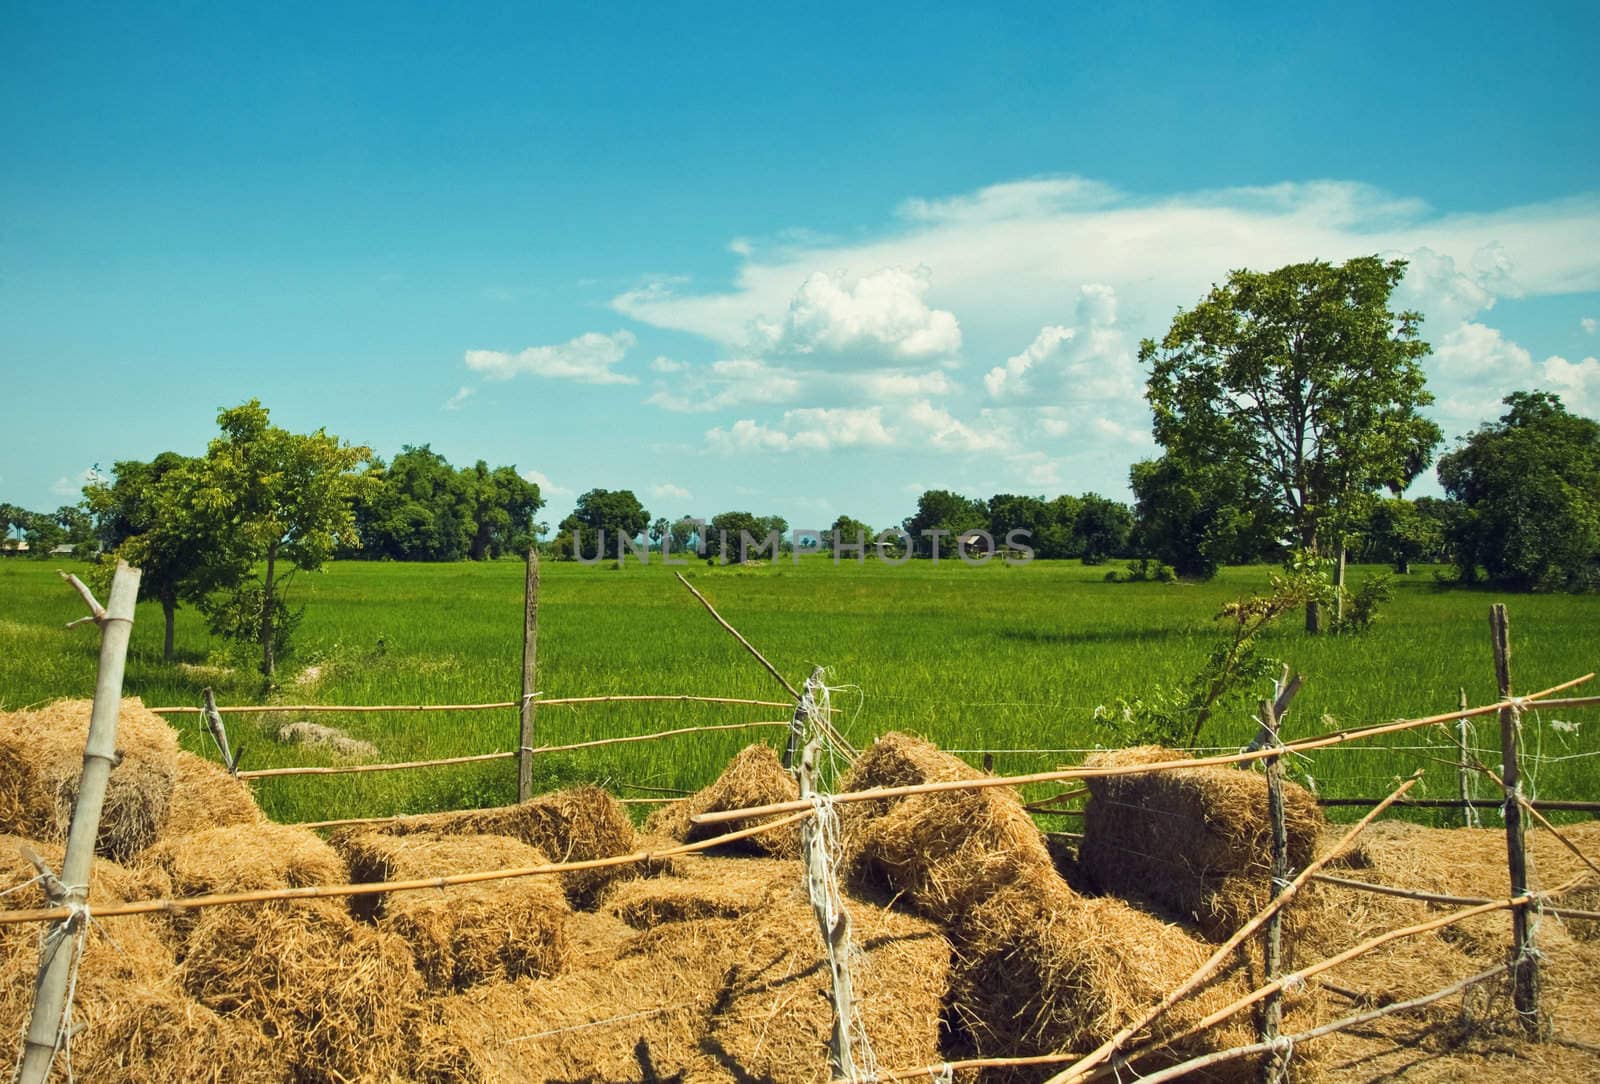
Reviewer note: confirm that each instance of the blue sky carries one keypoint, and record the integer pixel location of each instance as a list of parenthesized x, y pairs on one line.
[(805, 262)]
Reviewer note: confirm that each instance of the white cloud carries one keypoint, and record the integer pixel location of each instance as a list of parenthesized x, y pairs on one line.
[(588, 359), (1577, 382), (810, 429), (664, 364), (547, 488), (462, 394), (1475, 366), (878, 317), (1477, 350), (925, 425), (668, 491), (724, 384), (1589, 324)]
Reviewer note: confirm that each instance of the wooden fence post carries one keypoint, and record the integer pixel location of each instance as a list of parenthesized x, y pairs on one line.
[(530, 672), (58, 953), (797, 722), (1524, 962), (832, 919), (219, 733), (1469, 815), (1272, 1011)]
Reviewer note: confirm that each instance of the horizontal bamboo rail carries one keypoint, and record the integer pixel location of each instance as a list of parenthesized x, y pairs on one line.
[(317, 892), (1288, 1042), (559, 701), (1476, 803), (1439, 897), (401, 818), (345, 769), (1300, 746)]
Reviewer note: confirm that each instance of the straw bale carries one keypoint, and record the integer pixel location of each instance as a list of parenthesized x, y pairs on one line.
[(946, 851), (41, 759), (704, 886), (637, 1013), (1040, 969), (754, 777), (206, 796), (465, 934), (131, 1021), (1194, 841), (242, 858), (773, 1017), (578, 824), (334, 996)]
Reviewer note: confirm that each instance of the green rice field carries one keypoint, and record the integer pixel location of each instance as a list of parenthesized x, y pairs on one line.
[(1010, 660)]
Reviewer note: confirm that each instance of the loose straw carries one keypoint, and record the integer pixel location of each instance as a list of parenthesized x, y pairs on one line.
[(1225, 950), (145, 907), (1439, 897), (550, 702), (345, 769), (1337, 738), (1285, 1042)]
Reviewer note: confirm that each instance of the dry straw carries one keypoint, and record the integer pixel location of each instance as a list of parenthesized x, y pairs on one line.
[(754, 776), (468, 935), (1196, 843), (41, 758)]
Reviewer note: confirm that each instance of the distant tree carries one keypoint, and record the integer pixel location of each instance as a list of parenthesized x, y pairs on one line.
[(1198, 516), (848, 531), (152, 515), (617, 512), (1530, 487), (288, 498), (1399, 532), (1305, 379), (727, 531), (502, 504), (43, 533), (1103, 529), (416, 508), (940, 510), (1058, 538), (660, 530), (685, 533), (1009, 512), (12, 517)]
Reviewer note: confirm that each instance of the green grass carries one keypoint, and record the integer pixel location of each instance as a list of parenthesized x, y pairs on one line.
[(993, 658)]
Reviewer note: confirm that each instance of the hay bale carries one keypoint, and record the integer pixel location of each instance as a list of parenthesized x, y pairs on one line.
[(1040, 969), (41, 759), (334, 996), (944, 852), (466, 934), (773, 1017), (579, 824), (131, 1021), (754, 777), (704, 886), (242, 858), (206, 796), (1193, 841)]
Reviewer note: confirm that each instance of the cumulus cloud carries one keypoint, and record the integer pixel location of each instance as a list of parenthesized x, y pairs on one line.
[(1589, 324), (668, 491), (725, 384), (462, 394), (1475, 366), (664, 364), (588, 359), (814, 429), (882, 316), (73, 487), (1093, 360), (547, 488)]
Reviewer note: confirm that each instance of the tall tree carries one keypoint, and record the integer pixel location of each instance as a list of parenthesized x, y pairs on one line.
[(1197, 517), (150, 514), (1530, 484), (950, 515), (1304, 378), (503, 506), (1103, 529), (616, 512), (289, 497)]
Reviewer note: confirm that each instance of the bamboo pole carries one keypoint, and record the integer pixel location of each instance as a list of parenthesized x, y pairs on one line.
[(797, 721), (1477, 803), (1289, 1042), (318, 892), (345, 769), (1224, 952), (219, 733), (58, 953), (1303, 745), (1524, 960), (846, 749), (401, 818), (545, 702), (530, 669), (1272, 1014), (1439, 897), (833, 920), (1463, 779)]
